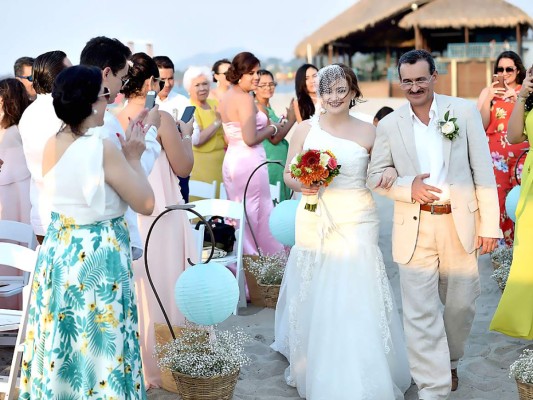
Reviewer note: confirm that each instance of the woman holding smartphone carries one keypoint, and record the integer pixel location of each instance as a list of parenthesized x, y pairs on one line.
[(496, 104), (514, 315), (170, 241)]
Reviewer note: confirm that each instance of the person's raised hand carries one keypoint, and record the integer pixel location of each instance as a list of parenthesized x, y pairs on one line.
[(421, 192), (134, 144), (153, 118)]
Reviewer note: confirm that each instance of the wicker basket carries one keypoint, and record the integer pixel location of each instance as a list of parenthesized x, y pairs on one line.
[(219, 387), (270, 294), (525, 390)]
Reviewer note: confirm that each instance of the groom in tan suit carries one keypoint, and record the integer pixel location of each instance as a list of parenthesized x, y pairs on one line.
[(445, 210)]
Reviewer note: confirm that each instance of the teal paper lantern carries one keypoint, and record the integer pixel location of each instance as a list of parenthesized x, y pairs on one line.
[(206, 294), (511, 201), (282, 222)]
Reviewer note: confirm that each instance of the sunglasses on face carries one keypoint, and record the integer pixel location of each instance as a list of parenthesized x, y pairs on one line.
[(29, 77), (500, 70), (161, 83), (106, 94)]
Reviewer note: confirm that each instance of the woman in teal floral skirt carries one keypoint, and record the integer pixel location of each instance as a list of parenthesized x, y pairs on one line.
[(81, 339)]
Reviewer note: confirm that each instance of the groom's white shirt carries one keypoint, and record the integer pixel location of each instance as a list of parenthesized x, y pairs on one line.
[(429, 149)]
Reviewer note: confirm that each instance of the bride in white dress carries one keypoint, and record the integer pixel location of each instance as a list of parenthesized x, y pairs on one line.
[(336, 319)]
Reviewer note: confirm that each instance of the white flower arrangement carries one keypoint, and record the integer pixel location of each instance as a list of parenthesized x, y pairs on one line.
[(522, 369), (204, 352), (449, 127), (268, 269), (502, 258)]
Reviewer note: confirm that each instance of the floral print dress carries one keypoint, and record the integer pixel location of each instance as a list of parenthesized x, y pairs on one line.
[(504, 160), (82, 338)]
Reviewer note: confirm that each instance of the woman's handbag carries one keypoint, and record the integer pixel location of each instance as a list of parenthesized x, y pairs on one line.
[(224, 233)]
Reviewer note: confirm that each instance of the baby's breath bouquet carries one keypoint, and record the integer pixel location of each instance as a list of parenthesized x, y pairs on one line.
[(522, 369), (268, 269), (502, 258), (204, 352)]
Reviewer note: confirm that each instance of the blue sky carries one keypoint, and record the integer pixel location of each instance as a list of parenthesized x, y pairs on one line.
[(178, 28)]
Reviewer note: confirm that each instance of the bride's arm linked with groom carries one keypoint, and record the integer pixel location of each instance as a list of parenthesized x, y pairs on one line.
[(446, 213)]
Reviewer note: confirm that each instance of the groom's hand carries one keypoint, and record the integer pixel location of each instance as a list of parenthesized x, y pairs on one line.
[(421, 192), (487, 244)]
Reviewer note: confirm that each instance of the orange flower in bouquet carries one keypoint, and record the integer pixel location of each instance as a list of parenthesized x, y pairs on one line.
[(314, 167)]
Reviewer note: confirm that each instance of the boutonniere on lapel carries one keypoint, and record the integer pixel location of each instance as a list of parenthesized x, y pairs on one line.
[(449, 127)]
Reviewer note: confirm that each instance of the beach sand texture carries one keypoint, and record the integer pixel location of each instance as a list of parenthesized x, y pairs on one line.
[(483, 372)]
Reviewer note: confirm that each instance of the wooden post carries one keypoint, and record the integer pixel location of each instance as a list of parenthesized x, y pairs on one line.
[(387, 56), (418, 38), (518, 40), (453, 76), (330, 54), (309, 52), (467, 35)]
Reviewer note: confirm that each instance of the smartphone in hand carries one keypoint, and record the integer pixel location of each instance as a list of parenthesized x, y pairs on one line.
[(188, 113), (150, 99), (499, 79)]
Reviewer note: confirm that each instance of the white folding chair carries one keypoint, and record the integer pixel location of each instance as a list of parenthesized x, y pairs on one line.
[(234, 210), (275, 192), (223, 194), (203, 190), (20, 233), (24, 259)]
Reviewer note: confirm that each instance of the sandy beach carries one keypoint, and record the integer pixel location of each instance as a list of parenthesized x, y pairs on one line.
[(483, 372)]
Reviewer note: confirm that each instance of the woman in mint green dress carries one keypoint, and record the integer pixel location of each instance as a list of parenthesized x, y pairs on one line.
[(263, 93), (82, 340)]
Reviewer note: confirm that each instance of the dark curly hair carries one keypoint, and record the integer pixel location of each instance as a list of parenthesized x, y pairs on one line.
[(144, 67), (15, 100), (242, 64), (305, 103), (520, 69), (45, 69), (74, 92)]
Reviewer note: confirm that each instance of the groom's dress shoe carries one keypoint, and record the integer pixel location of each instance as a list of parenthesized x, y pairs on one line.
[(455, 380)]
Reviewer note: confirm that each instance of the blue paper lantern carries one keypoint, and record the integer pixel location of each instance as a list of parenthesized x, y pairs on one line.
[(282, 222), (207, 294), (511, 201)]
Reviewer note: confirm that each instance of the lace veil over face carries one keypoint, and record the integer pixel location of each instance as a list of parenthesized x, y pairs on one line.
[(332, 86)]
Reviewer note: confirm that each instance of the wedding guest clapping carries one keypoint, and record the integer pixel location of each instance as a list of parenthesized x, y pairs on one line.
[(38, 123), (111, 56), (496, 104), (171, 242), (264, 92), (82, 320), (208, 141), (514, 315)]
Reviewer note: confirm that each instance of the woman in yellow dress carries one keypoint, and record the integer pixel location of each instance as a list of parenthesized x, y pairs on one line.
[(514, 315), (208, 141)]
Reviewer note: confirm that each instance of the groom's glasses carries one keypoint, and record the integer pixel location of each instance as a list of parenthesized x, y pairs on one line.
[(420, 82)]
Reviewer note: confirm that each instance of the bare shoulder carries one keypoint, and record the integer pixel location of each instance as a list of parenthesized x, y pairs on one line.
[(301, 131), (365, 133)]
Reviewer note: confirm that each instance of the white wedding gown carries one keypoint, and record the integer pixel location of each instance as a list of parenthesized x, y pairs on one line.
[(336, 320)]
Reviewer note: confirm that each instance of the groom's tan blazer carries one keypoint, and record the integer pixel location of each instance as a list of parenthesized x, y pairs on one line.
[(473, 194)]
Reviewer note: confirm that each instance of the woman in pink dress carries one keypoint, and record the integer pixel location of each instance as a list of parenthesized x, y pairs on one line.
[(15, 177), (245, 129), (171, 242)]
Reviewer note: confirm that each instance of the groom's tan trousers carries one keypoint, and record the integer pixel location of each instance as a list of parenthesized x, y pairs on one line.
[(440, 273)]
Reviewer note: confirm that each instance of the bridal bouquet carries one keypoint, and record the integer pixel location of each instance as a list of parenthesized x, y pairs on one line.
[(314, 167)]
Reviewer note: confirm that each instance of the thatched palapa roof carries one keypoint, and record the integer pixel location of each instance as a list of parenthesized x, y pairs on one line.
[(357, 18), (466, 14)]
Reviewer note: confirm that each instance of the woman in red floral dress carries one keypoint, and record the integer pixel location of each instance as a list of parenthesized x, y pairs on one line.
[(495, 105)]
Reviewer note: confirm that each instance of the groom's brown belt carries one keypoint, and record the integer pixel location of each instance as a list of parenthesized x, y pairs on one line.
[(437, 209)]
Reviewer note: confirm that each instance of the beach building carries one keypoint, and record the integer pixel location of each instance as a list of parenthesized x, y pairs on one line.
[(464, 37)]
